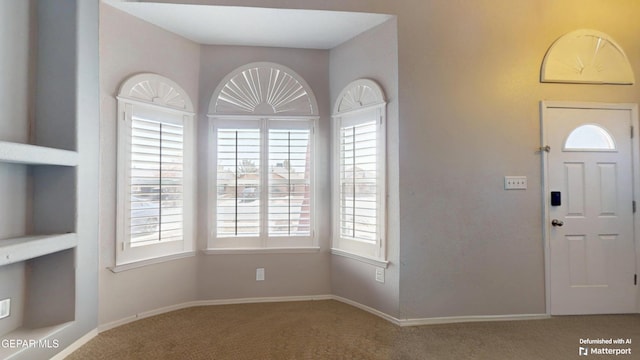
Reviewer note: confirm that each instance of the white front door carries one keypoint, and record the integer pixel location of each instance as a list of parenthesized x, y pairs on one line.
[(590, 214)]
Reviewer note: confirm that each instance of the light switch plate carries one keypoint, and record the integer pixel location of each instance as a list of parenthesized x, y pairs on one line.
[(260, 274), (515, 182)]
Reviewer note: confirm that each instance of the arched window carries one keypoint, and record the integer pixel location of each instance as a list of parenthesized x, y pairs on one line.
[(262, 189), (359, 169), (263, 89), (586, 56), (155, 169)]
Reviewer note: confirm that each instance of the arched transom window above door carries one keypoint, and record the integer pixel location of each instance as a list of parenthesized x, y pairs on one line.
[(586, 56)]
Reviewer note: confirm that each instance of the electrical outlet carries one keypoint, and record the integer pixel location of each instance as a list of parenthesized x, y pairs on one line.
[(515, 182), (5, 308), (380, 274), (260, 274)]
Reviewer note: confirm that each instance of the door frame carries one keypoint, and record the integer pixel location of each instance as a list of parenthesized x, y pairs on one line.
[(635, 171)]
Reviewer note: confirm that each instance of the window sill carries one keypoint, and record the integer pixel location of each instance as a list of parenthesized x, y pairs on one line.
[(142, 263), (365, 259), (227, 251)]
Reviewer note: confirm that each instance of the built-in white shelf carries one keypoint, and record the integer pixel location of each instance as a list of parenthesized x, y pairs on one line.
[(28, 247), (11, 152)]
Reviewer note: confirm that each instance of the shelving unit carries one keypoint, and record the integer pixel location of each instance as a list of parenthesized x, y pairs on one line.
[(30, 247), (17, 153), (49, 161), (49, 305), (43, 298)]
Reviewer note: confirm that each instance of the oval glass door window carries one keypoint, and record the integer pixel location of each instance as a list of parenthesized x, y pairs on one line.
[(589, 138)]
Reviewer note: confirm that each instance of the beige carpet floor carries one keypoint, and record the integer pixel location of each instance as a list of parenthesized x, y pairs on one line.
[(333, 330)]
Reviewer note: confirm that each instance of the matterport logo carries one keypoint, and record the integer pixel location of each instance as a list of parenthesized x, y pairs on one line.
[(617, 347)]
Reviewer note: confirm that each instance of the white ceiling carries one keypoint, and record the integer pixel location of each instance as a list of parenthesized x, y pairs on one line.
[(234, 25)]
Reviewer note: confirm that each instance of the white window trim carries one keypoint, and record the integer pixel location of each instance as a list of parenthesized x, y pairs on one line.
[(153, 93), (361, 258), (157, 260), (217, 118), (285, 250), (362, 95)]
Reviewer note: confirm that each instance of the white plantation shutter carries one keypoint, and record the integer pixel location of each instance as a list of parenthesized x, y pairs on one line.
[(238, 182), (263, 183), (156, 182), (358, 181)]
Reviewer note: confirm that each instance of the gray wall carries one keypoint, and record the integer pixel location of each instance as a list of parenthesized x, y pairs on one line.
[(82, 80), (372, 55), (468, 106), (204, 277), (16, 109), (229, 276), (16, 81), (469, 90), (129, 46), (12, 285)]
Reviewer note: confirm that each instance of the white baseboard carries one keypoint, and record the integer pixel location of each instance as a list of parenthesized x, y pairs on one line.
[(368, 309), (385, 316), (75, 345), (261, 300), (467, 319), (440, 320)]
